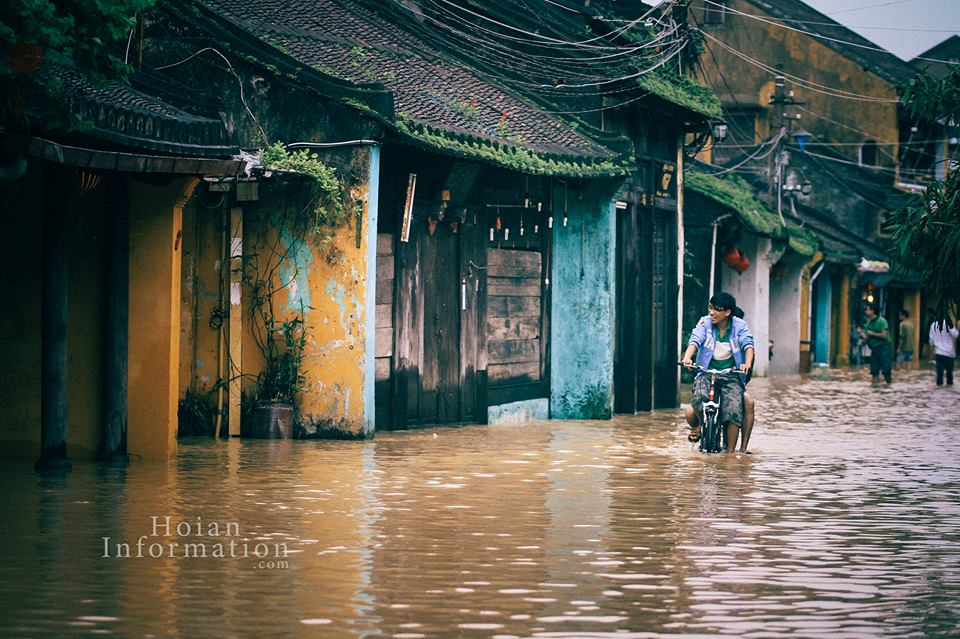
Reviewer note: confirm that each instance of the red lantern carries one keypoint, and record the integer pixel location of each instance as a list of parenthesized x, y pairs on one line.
[(869, 286), (732, 257), (743, 264)]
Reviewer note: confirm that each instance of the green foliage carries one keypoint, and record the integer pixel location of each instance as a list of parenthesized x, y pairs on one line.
[(281, 340), (931, 98), (282, 377), (926, 230), (926, 238), (83, 31), (328, 211), (195, 413)]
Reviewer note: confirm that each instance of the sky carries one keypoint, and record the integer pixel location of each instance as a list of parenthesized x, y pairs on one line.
[(906, 28)]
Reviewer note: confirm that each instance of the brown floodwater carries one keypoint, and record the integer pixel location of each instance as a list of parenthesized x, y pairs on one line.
[(845, 522)]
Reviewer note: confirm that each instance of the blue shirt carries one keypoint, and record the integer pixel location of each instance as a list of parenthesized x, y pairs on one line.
[(704, 337)]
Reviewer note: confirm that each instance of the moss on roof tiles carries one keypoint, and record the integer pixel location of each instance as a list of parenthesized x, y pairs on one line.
[(513, 157), (801, 241), (684, 92), (735, 194)]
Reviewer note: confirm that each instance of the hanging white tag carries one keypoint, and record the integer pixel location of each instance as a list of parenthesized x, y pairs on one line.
[(506, 234)]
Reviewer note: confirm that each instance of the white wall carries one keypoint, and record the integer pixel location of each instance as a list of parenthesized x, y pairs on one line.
[(785, 314), (752, 290)]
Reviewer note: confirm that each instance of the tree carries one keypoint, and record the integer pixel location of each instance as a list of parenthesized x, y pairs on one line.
[(926, 229), (88, 34)]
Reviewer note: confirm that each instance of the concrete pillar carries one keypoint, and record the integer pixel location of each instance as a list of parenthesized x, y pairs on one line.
[(582, 307), (785, 314), (843, 321), (54, 284), (752, 291), (153, 357)]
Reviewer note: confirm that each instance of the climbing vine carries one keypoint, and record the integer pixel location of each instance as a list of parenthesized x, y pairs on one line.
[(327, 210)]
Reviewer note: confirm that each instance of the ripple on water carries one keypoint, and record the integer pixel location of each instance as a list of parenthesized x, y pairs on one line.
[(844, 523)]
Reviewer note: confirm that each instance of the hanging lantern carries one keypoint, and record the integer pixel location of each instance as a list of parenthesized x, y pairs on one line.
[(743, 264), (732, 257)]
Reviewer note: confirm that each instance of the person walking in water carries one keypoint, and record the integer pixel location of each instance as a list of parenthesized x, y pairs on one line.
[(905, 343), (877, 334), (943, 338)]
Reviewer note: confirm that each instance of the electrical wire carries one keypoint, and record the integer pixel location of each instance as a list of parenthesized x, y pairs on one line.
[(756, 155), (806, 84), (869, 47)]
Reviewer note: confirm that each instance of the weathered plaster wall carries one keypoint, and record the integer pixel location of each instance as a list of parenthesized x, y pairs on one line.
[(330, 282), (203, 252), (805, 57), (752, 290), (582, 280), (785, 314)]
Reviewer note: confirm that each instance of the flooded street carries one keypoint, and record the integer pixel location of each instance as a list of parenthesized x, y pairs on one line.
[(845, 522)]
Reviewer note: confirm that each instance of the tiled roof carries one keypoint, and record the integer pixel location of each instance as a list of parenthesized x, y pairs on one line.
[(351, 42), (123, 115)]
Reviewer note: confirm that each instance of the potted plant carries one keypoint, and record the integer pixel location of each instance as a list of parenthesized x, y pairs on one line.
[(282, 341)]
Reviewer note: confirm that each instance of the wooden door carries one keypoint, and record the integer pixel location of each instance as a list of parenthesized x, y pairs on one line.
[(633, 360), (440, 379), (436, 375), (663, 296)]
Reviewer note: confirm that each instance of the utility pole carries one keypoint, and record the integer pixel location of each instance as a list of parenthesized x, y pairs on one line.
[(781, 100)]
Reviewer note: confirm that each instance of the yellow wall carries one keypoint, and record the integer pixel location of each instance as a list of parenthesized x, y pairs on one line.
[(20, 351), (805, 57), (154, 317), (333, 291), (20, 320), (331, 285), (201, 335)]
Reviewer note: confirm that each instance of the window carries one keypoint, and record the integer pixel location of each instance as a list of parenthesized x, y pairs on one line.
[(714, 11), (868, 153)]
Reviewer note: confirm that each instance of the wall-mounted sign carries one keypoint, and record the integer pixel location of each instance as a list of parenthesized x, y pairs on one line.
[(666, 185), (408, 208)]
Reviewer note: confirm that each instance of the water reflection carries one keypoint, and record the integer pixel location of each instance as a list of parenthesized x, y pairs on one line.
[(843, 523)]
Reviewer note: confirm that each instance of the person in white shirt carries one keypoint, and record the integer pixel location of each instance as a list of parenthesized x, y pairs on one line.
[(943, 338)]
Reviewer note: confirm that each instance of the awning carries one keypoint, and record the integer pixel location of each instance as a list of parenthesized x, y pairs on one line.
[(100, 160)]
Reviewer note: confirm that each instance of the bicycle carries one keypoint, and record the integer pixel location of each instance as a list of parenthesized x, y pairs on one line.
[(713, 437)]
